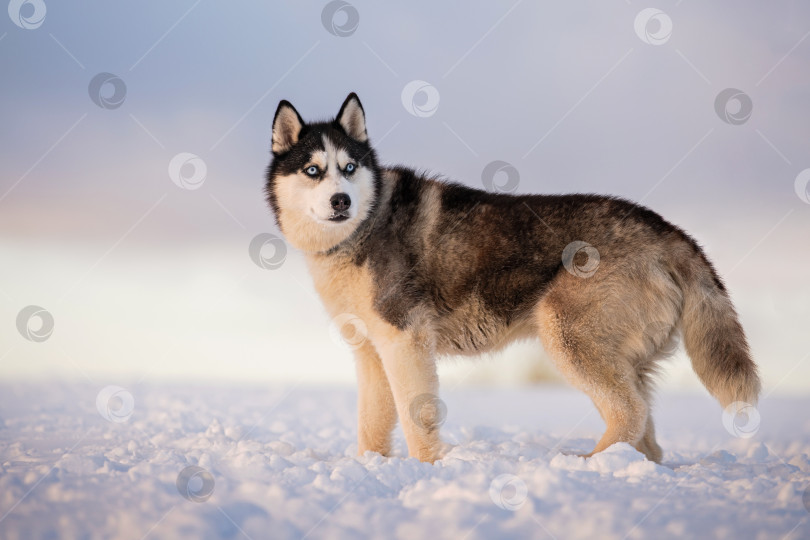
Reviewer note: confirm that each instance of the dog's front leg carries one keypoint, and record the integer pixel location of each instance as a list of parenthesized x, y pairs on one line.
[(412, 375), (376, 413)]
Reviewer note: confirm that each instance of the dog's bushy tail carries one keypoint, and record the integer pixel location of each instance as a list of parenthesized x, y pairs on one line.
[(714, 339)]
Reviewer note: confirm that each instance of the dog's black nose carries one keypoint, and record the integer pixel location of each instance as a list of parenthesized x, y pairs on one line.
[(340, 202)]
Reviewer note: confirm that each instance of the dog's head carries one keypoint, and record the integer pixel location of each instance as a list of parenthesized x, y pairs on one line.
[(323, 180)]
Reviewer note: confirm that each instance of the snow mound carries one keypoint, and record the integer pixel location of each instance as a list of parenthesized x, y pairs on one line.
[(620, 460)]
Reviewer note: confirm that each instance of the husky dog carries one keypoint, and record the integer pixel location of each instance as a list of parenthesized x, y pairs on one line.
[(434, 268)]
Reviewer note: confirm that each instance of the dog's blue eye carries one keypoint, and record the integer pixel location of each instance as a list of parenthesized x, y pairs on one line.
[(350, 168), (312, 170)]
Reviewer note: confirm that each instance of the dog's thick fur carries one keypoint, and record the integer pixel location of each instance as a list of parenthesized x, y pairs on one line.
[(434, 268)]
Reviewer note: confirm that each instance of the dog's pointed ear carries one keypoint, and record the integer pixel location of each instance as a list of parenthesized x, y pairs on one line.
[(352, 118), (287, 125)]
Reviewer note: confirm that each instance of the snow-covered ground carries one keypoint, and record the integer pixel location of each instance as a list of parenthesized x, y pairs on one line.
[(280, 463)]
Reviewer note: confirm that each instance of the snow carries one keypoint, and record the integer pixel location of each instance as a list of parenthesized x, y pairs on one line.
[(196, 461)]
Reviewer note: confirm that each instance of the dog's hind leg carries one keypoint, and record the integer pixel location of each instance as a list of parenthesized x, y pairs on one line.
[(586, 349), (376, 412), (624, 411), (648, 445)]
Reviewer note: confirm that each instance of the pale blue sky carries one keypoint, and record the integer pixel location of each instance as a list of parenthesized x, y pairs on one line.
[(145, 279)]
